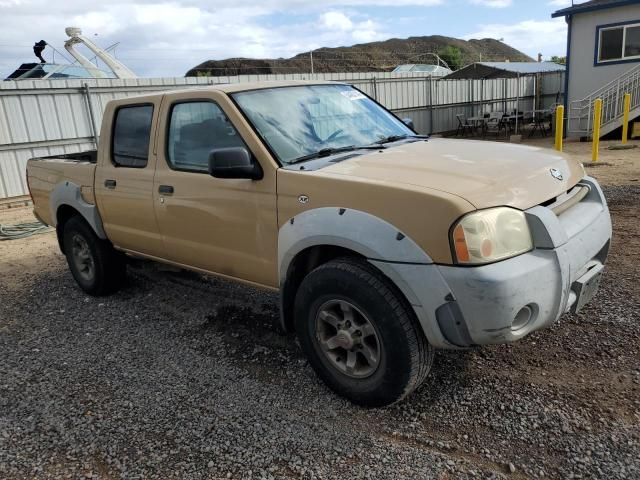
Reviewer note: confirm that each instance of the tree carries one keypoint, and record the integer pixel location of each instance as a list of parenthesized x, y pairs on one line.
[(452, 55), (559, 60)]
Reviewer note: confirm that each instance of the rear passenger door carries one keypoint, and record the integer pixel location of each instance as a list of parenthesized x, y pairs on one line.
[(224, 226), (124, 177)]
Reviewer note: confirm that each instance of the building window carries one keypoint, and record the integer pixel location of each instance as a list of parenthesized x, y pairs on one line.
[(619, 43), (632, 42)]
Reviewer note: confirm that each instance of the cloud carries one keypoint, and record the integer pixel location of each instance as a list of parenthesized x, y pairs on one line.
[(167, 37), (360, 31), (367, 32), (560, 3), (336, 21), (493, 3), (548, 37)]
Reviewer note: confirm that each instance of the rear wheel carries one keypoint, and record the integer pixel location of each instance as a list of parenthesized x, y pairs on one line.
[(95, 265), (359, 333)]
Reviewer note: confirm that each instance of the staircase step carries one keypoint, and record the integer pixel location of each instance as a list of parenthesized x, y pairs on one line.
[(617, 123)]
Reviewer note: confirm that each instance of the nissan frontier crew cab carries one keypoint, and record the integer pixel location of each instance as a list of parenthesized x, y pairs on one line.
[(383, 244)]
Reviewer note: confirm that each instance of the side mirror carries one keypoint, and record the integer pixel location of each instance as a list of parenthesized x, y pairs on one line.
[(233, 162), (409, 123)]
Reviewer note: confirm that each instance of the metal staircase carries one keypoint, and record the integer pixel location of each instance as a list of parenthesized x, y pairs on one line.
[(580, 115)]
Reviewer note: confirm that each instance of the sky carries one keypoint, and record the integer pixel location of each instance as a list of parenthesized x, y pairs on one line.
[(165, 38)]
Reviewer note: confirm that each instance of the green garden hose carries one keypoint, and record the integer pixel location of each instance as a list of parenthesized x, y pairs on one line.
[(22, 230)]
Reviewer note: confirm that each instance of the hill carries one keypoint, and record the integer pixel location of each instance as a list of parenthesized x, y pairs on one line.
[(367, 57)]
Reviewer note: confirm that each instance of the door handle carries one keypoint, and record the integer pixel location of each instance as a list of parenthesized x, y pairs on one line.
[(165, 190), (110, 184)]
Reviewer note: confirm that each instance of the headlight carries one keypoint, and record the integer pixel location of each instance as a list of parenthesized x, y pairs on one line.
[(490, 235)]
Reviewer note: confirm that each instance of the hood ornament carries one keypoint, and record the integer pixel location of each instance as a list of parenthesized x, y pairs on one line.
[(557, 174)]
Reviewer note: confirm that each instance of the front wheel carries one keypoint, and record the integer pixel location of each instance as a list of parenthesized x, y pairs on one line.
[(360, 334)]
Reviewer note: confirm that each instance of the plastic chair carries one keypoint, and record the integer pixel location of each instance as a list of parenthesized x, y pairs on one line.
[(463, 126), (495, 124)]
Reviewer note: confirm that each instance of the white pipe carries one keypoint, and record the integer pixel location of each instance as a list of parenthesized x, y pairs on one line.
[(517, 102), (119, 69), (82, 60)]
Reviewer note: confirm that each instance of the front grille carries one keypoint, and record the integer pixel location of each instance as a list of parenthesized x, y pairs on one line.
[(564, 202)]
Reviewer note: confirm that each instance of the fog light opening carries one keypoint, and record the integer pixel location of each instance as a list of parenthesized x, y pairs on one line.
[(522, 318)]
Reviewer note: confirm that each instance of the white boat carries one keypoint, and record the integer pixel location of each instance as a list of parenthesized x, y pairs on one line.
[(84, 68)]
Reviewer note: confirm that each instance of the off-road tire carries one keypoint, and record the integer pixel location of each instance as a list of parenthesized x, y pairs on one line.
[(109, 266), (406, 355)]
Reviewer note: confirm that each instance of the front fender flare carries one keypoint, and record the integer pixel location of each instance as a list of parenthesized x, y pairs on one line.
[(361, 232), (396, 255)]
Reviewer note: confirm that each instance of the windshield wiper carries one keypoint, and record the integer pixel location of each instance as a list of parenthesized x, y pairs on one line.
[(326, 152), (395, 138)]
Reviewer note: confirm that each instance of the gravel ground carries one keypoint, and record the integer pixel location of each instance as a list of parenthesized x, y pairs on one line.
[(182, 376)]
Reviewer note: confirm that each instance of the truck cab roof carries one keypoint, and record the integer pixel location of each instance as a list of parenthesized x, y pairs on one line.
[(237, 87)]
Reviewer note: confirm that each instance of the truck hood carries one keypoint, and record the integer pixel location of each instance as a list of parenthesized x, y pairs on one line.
[(486, 174)]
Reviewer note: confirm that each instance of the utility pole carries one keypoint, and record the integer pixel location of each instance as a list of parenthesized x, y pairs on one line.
[(311, 59)]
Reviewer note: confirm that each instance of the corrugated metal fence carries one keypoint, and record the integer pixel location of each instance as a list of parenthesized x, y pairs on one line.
[(50, 117)]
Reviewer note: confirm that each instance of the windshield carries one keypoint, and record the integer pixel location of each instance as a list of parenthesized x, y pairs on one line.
[(301, 120), (52, 70)]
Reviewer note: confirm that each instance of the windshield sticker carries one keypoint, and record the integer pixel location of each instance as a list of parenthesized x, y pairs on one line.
[(353, 94)]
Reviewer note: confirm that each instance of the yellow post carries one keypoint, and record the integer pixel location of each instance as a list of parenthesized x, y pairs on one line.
[(625, 118), (597, 120), (559, 127)]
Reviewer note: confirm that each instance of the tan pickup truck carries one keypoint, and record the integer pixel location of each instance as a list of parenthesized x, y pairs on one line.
[(383, 244)]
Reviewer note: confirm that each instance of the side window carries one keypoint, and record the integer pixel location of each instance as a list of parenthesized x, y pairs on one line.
[(619, 43), (611, 44), (632, 41), (196, 128), (131, 132)]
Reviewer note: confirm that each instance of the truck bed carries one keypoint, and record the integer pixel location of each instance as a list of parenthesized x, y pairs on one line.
[(90, 156), (45, 173)]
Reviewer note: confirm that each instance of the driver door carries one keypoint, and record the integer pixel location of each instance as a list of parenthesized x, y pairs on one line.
[(222, 226)]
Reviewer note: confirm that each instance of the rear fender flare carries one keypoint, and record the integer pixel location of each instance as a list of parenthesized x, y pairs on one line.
[(68, 193)]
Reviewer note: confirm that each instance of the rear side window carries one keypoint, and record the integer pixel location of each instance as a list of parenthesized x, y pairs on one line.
[(195, 129), (131, 132)]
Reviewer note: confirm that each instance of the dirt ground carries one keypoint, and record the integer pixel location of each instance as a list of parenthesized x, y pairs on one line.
[(182, 376), (614, 167)]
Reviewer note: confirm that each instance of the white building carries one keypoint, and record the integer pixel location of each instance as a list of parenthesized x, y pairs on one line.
[(603, 61)]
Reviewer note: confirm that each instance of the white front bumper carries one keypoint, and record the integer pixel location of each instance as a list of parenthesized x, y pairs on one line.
[(463, 306), (570, 249)]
